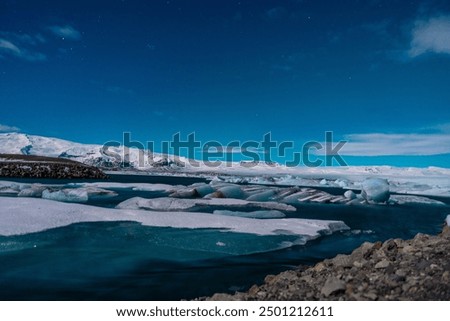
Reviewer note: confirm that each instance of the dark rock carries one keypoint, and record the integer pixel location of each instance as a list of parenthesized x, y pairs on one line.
[(46, 167), (416, 269), (333, 286)]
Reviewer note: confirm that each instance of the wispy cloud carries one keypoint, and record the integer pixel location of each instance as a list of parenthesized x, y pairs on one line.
[(30, 47), (9, 48), (381, 144), (65, 32), (24, 38), (276, 13), (430, 36), (403, 42), (6, 128)]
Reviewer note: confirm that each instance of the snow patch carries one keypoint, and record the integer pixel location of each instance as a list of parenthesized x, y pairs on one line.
[(375, 189)]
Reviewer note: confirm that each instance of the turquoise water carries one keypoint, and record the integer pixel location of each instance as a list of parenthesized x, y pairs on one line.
[(128, 261)]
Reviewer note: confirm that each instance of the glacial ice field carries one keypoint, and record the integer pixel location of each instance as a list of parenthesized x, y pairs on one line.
[(134, 240)]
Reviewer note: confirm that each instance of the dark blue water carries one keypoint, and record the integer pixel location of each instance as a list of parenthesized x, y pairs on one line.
[(128, 261)]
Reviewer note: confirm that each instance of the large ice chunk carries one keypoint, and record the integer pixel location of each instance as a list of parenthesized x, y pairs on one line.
[(35, 190), (147, 187), (98, 193), (75, 195), (414, 199), (254, 214), (11, 188), (375, 189), (263, 196), (231, 191), (177, 204), (202, 189), (350, 195)]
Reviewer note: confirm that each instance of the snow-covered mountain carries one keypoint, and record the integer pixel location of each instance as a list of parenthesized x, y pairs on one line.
[(91, 154), (114, 157), (423, 181)]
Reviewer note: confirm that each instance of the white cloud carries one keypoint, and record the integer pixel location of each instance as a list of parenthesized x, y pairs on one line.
[(66, 32), (379, 144), (23, 38), (8, 48), (6, 128), (431, 35)]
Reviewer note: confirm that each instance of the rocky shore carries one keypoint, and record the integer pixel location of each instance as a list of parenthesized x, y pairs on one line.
[(46, 167), (416, 269)]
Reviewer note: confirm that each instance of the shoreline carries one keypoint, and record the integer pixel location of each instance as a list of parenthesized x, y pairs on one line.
[(414, 269)]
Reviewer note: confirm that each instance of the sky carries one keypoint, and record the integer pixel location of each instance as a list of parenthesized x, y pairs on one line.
[(376, 73)]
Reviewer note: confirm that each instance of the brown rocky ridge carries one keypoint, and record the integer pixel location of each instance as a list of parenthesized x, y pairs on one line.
[(415, 269), (33, 166)]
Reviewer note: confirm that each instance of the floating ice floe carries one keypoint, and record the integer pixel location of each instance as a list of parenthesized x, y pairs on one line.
[(34, 215), (148, 187), (343, 183), (95, 193), (254, 214), (412, 199), (78, 195), (176, 204), (350, 195), (202, 189), (185, 193), (70, 195), (11, 188), (375, 189), (231, 191), (34, 190)]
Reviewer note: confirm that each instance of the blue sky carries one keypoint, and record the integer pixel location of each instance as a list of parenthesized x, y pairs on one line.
[(376, 73)]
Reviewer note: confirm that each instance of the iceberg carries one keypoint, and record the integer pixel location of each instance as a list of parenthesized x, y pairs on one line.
[(168, 204), (350, 195), (148, 187), (35, 190), (295, 197), (75, 195), (262, 196), (185, 193), (341, 183), (254, 214), (8, 191), (231, 191), (413, 199), (202, 189), (375, 189), (11, 188), (95, 193)]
